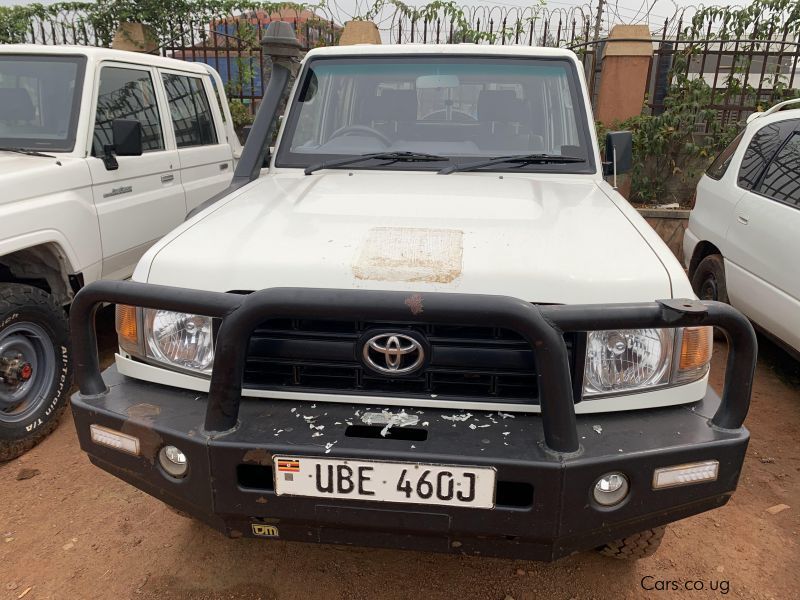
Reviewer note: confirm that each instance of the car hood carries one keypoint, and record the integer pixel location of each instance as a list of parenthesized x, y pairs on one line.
[(544, 239), (23, 176)]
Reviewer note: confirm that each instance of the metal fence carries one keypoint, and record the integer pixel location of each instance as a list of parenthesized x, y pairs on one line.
[(742, 74), (532, 26), (231, 44)]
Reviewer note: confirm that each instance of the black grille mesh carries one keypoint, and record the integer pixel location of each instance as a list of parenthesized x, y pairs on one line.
[(466, 362)]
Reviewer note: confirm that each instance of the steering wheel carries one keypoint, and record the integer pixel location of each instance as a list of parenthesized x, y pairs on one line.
[(356, 129)]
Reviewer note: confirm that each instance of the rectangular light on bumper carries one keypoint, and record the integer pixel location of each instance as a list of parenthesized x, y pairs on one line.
[(114, 439), (687, 474)]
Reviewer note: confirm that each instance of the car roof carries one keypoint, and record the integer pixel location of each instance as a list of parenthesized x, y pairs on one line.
[(788, 109), (99, 54), (462, 49), (777, 116)]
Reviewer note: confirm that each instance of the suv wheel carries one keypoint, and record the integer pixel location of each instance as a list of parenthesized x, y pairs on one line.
[(636, 546), (708, 281), (35, 367)]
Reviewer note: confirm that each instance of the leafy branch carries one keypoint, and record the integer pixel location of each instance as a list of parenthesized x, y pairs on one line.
[(167, 18), (674, 147), (448, 11)]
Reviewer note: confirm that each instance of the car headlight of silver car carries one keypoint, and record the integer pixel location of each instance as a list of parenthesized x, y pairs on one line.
[(178, 340), (635, 360)]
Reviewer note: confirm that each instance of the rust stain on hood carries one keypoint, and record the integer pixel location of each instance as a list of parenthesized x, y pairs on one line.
[(410, 254)]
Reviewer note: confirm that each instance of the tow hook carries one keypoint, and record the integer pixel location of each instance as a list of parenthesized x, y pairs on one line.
[(14, 371)]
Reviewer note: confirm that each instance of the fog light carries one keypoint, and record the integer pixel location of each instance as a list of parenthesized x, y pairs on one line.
[(611, 489), (688, 474), (114, 439), (173, 461)]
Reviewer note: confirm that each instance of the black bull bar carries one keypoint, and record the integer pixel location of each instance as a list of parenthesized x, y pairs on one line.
[(542, 326)]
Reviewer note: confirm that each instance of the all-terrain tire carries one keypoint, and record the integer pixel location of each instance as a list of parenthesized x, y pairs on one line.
[(708, 281), (32, 312), (636, 546)]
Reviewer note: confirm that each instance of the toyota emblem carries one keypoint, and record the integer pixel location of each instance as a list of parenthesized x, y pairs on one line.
[(393, 354)]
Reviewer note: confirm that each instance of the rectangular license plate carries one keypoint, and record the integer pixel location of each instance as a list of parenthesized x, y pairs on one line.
[(383, 481)]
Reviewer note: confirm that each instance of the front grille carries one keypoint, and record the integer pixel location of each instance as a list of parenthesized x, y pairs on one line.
[(322, 356)]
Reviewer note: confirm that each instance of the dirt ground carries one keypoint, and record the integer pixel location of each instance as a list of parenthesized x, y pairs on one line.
[(72, 531)]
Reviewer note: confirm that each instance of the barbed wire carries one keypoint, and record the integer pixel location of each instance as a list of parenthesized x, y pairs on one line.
[(555, 22)]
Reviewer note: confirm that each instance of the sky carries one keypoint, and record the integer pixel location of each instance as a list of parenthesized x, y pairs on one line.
[(629, 11), (632, 8)]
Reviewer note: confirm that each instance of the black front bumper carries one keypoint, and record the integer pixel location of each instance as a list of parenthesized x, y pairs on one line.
[(544, 508), (546, 464)]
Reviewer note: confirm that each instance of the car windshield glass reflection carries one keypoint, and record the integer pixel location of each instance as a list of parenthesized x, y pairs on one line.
[(39, 101), (461, 108)]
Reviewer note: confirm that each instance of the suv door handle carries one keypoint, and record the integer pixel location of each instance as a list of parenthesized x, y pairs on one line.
[(167, 178), (742, 219), (223, 166)]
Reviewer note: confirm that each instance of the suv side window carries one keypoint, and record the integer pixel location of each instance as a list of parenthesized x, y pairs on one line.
[(781, 182), (190, 110), (762, 148), (127, 94), (721, 163)]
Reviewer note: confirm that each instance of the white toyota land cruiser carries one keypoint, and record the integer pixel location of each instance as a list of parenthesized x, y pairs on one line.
[(430, 325), (102, 152)]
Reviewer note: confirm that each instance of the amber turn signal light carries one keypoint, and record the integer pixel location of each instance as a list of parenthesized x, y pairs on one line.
[(697, 344), (127, 327)]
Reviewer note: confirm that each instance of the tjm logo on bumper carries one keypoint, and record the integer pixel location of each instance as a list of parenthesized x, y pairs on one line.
[(262, 530)]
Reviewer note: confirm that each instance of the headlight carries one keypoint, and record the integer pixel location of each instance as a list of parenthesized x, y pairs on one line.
[(639, 359), (627, 359), (179, 339)]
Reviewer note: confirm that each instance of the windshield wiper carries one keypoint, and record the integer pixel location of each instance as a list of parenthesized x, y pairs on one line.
[(26, 151), (523, 159), (390, 156)]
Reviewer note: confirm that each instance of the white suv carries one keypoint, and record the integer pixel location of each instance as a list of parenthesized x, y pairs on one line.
[(743, 240), (102, 152), (429, 324)]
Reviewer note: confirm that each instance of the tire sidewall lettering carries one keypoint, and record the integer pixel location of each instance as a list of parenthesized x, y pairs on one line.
[(60, 386), (56, 395), (8, 320)]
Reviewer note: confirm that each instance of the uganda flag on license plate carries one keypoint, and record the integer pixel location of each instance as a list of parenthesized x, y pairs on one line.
[(288, 466)]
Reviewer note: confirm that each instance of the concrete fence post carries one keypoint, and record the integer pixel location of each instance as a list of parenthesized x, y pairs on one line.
[(360, 32), (623, 76)]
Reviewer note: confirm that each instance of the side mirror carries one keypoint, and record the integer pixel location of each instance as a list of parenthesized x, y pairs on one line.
[(619, 153), (127, 137)]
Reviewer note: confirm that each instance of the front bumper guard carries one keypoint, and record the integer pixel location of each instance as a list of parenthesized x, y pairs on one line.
[(546, 464), (541, 326)]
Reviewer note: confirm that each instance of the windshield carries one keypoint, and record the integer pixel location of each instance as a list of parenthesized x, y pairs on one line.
[(460, 107), (39, 98)]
